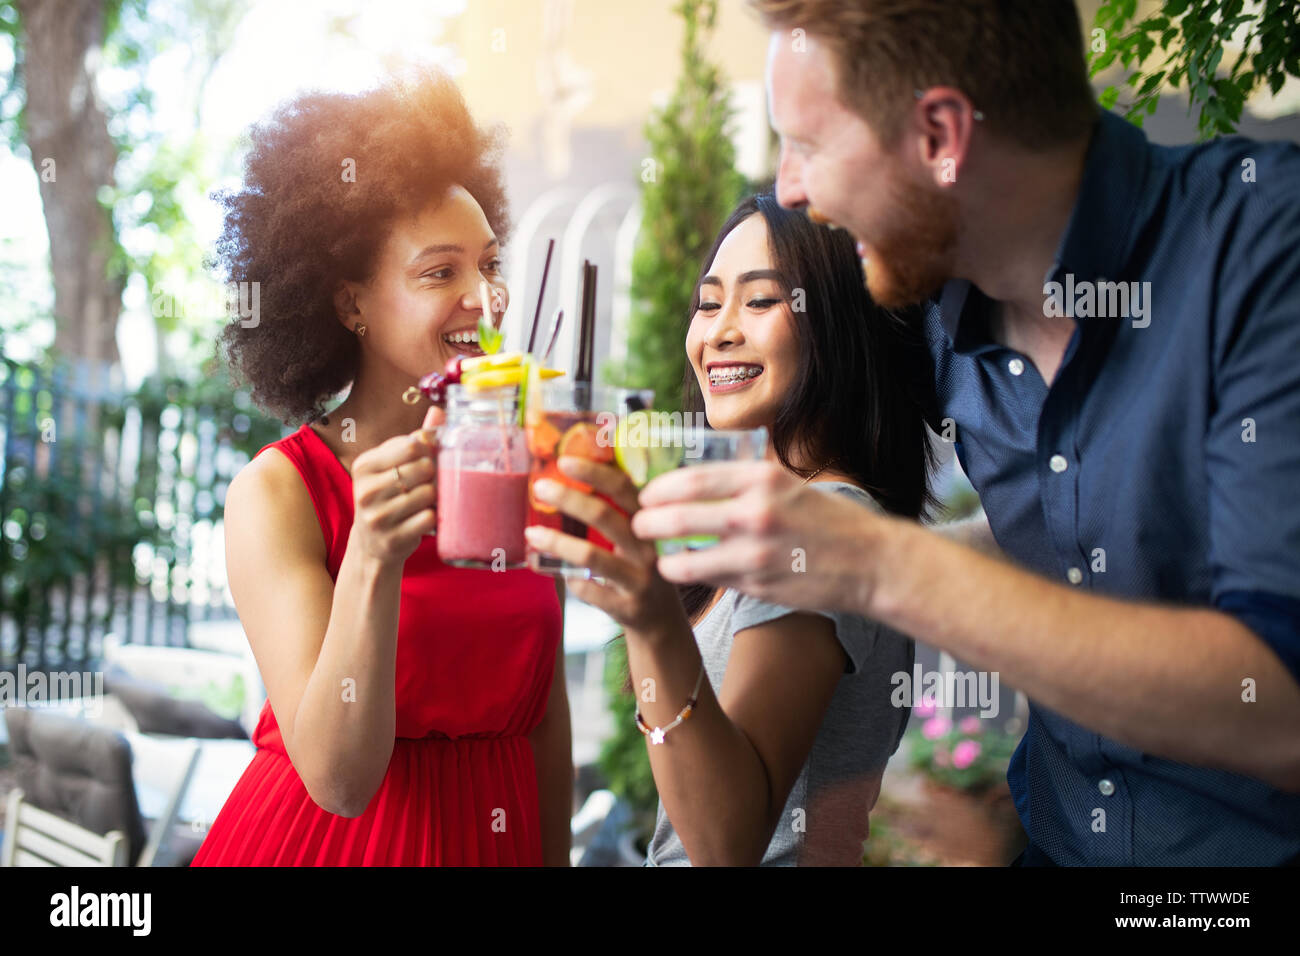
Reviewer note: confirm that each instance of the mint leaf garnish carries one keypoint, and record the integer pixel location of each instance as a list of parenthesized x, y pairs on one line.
[(490, 338)]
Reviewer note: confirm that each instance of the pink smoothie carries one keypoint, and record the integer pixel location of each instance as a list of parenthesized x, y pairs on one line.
[(480, 511)]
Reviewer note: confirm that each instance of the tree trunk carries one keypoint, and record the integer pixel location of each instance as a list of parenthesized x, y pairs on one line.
[(74, 156)]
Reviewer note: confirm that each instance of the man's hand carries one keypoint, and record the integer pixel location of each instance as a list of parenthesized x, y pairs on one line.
[(1160, 679), (781, 541)]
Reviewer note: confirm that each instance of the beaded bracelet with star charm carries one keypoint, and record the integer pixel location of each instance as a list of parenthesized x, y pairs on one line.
[(656, 735)]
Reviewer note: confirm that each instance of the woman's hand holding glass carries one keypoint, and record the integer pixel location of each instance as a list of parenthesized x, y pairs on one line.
[(625, 583), (394, 491)]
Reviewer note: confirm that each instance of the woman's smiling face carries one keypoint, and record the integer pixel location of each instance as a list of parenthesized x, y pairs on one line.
[(422, 304), (741, 342)]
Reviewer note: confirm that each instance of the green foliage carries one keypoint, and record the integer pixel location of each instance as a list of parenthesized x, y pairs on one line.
[(129, 43), (53, 532), (163, 174), (160, 174), (225, 700), (887, 847), (962, 502), (623, 758), (238, 423), (12, 131), (58, 522), (685, 199), (1190, 35), (26, 304), (13, 128)]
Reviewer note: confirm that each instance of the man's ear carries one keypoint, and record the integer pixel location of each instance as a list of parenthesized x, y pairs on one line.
[(345, 304), (943, 121)]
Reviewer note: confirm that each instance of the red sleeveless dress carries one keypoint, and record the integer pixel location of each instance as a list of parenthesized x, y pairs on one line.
[(475, 657)]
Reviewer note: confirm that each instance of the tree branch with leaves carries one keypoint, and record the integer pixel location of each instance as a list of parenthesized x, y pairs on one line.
[(1181, 45)]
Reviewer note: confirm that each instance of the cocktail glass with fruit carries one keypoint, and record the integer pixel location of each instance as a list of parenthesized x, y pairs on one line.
[(465, 385), (572, 419), (482, 480), (649, 444)]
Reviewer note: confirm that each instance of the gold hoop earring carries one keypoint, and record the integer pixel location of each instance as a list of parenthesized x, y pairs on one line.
[(359, 329)]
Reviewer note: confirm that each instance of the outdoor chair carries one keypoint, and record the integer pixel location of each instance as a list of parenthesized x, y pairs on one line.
[(81, 775), (34, 837)]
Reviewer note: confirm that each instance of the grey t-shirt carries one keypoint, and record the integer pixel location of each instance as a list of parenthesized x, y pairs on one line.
[(825, 818)]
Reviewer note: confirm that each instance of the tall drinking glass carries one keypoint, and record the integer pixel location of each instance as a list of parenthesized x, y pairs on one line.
[(572, 419), (650, 446), (482, 480)]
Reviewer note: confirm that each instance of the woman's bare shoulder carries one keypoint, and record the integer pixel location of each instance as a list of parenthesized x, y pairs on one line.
[(267, 499)]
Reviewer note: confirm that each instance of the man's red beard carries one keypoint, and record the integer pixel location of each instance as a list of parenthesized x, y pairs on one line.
[(911, 262)]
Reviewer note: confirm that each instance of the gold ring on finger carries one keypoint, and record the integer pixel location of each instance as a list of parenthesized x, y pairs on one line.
[(397, 470)]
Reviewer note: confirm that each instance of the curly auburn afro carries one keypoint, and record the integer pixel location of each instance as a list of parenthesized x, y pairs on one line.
[(325, 178)]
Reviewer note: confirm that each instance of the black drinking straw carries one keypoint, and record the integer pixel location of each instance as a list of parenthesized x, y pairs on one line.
[(587, 329), (541, 291), (555, 334), (582, 396)]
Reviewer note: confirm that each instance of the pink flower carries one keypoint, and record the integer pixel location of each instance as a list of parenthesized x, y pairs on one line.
[(936, 727), (964, 754), (925, 708), (969, 725)]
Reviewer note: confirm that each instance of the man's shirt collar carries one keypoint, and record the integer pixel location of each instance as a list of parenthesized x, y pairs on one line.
[(1097, 237)]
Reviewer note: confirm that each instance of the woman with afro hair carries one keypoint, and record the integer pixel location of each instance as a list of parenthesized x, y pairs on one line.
[(417, 713)]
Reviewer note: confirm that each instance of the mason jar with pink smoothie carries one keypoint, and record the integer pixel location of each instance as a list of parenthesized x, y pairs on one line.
[(483, 465)]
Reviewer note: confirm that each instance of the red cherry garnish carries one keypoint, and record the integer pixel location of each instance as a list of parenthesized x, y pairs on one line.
[(452, 372), (434, 387)]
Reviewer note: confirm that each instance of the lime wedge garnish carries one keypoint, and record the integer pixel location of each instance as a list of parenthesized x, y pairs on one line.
[(640, 449), (634, 459)]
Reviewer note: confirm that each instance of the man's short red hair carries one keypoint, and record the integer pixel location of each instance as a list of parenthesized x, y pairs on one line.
[(1020, 62)]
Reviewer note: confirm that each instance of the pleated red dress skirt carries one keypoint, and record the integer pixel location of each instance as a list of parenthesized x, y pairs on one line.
[(475, 658)]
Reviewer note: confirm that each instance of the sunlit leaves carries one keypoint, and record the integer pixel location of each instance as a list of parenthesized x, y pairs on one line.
[(1185, 40)]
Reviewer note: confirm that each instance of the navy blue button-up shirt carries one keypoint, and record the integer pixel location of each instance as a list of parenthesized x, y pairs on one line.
[(1162, 464)]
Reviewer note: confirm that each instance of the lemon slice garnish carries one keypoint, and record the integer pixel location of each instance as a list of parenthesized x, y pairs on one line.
[(482, 363), (496, 377)]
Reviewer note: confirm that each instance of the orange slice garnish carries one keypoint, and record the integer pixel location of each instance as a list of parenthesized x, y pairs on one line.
[(583, 441)]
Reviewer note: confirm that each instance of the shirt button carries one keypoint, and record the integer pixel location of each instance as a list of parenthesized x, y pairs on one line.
[(1074, 575), (1058, 463), (1106, 788), (1016, 367)]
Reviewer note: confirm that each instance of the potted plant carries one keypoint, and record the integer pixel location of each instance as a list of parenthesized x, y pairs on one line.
[(967, 814)]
